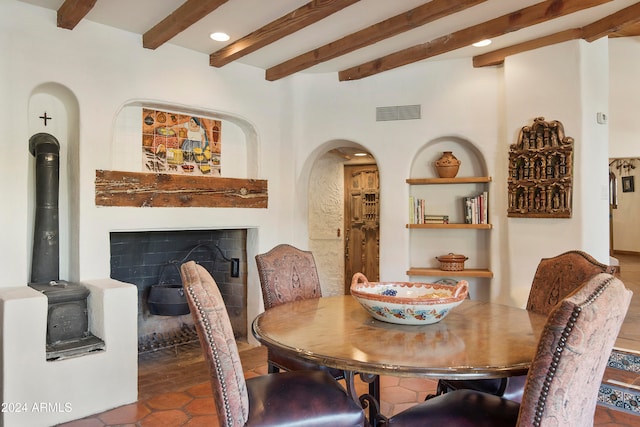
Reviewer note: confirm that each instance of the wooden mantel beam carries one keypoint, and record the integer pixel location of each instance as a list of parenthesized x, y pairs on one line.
[(136, 189), (398, 24), (510, 22), (179, 20), (72, 11), (304, 16)]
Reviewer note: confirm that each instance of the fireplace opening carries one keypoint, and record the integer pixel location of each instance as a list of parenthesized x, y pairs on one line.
[(151, 260)]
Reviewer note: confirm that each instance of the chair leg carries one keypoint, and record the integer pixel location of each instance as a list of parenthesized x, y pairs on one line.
[(440, 389), (272, 369), (503, 386)]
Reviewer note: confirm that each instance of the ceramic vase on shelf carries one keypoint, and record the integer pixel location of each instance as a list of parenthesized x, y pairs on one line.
[(447, 166)]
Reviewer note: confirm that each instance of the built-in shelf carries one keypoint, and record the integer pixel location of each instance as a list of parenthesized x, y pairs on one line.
[(450, 226), (466, 180), (470, 272)]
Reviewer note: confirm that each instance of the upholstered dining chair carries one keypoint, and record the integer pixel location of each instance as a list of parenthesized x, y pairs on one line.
[(555, 278), (310, 398), (288, 274), (562, 385)]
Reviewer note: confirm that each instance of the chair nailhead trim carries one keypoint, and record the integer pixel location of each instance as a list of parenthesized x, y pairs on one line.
[(562, 342), (216, 356)]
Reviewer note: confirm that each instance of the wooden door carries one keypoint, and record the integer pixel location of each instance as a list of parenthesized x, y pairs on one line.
[(362, 222)]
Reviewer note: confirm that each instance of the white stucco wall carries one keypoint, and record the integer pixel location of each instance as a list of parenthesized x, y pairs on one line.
[(38, 392), (624, 68), (456, 100), (326, 217)]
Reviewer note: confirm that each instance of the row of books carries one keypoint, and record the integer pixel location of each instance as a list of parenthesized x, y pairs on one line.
[(475, 209), (418, 214)]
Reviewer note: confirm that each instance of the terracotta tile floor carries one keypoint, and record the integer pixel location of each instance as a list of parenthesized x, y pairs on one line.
[(174, 390)]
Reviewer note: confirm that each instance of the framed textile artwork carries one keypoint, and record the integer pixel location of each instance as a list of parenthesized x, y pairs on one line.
[(540, 182), (180, 143)]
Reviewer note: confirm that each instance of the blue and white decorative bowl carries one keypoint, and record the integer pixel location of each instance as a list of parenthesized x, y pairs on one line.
[(407, 303)]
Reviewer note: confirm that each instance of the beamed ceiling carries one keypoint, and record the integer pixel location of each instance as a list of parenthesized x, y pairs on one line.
[(353, 38)]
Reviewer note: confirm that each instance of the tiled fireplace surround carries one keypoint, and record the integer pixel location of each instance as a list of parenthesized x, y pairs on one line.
[(149, 258)]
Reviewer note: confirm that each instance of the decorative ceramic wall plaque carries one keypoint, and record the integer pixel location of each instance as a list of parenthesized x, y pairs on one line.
[(180, 143), (541, 172)]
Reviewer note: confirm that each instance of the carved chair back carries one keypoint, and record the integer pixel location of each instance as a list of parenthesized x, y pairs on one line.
[(287, 274), (557, 277)]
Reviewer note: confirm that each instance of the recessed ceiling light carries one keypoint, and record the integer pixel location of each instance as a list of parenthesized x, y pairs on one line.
[(361, 154), (482, 43), (219, 37)]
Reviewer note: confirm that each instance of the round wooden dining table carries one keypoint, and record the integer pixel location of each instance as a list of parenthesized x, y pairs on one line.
[(475, 340)]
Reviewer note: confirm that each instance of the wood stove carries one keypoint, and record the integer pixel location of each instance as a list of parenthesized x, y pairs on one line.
[(68, 332)]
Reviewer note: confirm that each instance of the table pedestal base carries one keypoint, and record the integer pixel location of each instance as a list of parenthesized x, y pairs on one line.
[(370, 400)]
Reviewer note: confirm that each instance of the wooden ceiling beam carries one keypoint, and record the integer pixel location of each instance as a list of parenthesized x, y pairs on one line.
[(179, 20), (304, 16), (497, 56), (632, 30), (622, 23), (72, 11), (510, 22), (406, 21), (612, 23)]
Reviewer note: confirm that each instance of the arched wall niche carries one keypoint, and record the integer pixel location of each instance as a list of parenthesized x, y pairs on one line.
[(472, 162), (448, 199), (240, 146), (60, 105)]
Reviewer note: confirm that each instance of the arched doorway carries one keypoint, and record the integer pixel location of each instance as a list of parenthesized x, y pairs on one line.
[(343, 217)]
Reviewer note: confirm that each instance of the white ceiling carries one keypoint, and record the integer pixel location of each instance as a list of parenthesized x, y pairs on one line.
[(241, 17)]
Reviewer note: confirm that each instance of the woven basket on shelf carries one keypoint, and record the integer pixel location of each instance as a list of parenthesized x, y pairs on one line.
[(452, 262)]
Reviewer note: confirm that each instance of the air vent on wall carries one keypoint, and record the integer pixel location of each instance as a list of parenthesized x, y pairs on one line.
[(398, 112)]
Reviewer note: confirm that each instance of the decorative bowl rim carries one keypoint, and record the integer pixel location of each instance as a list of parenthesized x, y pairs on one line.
[(458, 293)]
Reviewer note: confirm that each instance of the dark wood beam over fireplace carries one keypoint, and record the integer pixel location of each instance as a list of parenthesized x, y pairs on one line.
[(135, 189)]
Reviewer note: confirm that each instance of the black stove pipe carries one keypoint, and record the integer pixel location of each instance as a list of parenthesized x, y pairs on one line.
[(45, 259)]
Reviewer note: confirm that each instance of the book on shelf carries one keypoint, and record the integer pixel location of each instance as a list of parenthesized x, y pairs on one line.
[(418, 215), (436, 219), (416, 210), (475, 209)]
